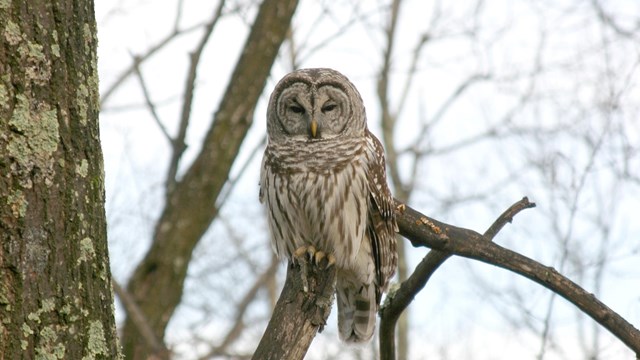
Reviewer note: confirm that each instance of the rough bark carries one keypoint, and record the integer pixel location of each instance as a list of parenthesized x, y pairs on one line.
[(157, 283), (55, 282), (299, 314)]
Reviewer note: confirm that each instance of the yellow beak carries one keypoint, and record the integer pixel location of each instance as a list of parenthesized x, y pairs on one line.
[(314, 127)]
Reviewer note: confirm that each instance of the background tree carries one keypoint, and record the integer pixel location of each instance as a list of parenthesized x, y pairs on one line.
[(55, 278), (484, 103)]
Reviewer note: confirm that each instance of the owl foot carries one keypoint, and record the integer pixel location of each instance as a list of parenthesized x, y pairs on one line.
[(303, 254), (306, 255), (321, 255)]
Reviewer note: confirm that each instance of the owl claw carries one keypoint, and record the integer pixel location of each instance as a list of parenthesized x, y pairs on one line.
[(312, 251), (304, 255), (299, 254), (331, 260), (321, 255)]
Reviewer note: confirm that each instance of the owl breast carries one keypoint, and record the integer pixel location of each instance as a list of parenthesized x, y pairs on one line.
[(317, 201)]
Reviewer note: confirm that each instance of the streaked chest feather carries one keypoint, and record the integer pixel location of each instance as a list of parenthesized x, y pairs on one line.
[(316, 202)]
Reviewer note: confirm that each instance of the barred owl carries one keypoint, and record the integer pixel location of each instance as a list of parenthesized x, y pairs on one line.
[(324, 185)]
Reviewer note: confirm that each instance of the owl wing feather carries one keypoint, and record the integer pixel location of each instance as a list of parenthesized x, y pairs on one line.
[(381, 223)]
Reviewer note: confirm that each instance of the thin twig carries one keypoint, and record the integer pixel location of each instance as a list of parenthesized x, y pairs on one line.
[(238, 325), (178, 145), (230, 185), (138, 60), (147, 98)]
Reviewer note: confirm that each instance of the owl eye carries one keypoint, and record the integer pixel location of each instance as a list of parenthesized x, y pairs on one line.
[(296, 109), (329, 107)]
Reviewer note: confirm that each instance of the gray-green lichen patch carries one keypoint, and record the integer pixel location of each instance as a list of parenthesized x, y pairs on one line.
[(83, 168), (37, 65), (17, 203), (4, 96), (26, 330), (55, 48), (4, 297), (97, 344), (5, 4), (88, 37), (47, 305), (87, 251), (34, 137), (48, 347), (12, 33), (82, 101)]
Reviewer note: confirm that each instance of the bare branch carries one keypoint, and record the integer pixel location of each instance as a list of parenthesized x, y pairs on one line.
[(178, 144), (238, 324), (228, 187), (138, 60), (298, 315), (147, 98), (399, 300), (455, 95), (610, 22), (133, 311), (424, 231)]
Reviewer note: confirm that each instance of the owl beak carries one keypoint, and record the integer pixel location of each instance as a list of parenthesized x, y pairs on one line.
[(314, 127)]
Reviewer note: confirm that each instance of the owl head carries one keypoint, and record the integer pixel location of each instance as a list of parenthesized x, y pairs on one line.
[(315, 105)]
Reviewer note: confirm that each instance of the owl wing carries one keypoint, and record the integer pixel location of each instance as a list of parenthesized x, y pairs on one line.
[(381, 222), (263, 174)]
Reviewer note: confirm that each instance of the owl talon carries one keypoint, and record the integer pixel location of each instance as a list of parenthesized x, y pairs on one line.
[(319, 255), (299, 255), (306, 255), (311, 251), (331, 260), (325, 260)]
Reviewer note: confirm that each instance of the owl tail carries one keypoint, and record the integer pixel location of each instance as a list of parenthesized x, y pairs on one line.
[(357, 309)]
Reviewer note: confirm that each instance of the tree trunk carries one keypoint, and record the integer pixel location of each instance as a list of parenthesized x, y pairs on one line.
[(156, 285), (55, 283)]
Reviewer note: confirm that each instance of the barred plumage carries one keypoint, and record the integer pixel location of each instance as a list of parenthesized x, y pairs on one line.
[(323, 182)]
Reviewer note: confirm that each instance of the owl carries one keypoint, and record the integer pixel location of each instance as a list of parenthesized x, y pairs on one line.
[(324, 185)]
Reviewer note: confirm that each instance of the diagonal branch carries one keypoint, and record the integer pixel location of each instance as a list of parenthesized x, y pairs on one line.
[(423, 231), (148, 101), (398, 301), (133, 311)]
